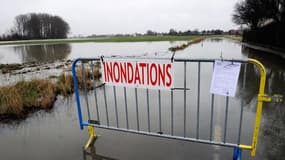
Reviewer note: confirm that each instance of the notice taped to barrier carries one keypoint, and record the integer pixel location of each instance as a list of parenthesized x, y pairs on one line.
[(138, 73), (225, 78)]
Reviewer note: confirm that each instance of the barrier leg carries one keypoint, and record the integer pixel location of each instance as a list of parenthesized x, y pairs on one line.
[(237, 153), (92, 137)]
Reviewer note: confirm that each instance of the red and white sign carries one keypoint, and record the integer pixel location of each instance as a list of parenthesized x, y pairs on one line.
[(147, 74)]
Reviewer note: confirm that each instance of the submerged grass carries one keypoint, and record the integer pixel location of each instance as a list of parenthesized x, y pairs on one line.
[(6, 68), (36, 93), (64, 85), (10, 101), (185, 45), (16, 101)]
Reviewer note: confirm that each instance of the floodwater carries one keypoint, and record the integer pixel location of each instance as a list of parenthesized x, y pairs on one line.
[(56, 52), (55, 134)]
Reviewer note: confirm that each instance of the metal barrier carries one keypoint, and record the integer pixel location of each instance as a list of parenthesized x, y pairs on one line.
[(114, 109)]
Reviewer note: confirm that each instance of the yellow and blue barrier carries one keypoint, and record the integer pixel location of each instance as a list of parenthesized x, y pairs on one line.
[(95, 121)]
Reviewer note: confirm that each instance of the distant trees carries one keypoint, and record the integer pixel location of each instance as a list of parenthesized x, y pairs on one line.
[(151, 33), (38, 26), (255, 12), (173, 32)]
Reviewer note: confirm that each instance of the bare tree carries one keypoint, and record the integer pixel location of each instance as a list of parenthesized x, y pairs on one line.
[(40, 26)]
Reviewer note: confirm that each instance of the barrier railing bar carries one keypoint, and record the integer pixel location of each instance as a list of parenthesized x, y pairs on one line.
[(184, 123), (198, 102), (244, 76), (148, 116), (165, 136), (177, 88), (95, 92), (126, 107), (116, 105), (242, 103), (207, 60), (137, 109), (261, 98), (171, 95), (226, 119), (106, 105), (85, 89), (212, 113), (75, 82), (159, 110), (166, 58)]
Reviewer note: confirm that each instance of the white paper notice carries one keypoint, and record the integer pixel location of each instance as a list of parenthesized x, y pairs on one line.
[(225, 78)]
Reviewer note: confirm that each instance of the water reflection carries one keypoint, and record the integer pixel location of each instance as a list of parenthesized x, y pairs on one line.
[(273, 133), (248, 83), (43, 53), (91, 154), (215, 39), (275, 68), (60, 137)]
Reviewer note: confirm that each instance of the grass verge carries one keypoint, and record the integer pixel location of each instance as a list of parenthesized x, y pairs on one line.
[(116, 39), (104, 39)]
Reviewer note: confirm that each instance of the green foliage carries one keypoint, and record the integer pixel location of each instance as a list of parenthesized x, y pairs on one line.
[(255, 12)]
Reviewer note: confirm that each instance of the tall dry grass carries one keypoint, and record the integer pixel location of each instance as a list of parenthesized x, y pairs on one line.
[(65, 84), (36, 93), (185, 45), (10, 101), (40, 93)]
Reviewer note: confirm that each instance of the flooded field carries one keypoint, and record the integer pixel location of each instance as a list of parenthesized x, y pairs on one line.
[(57, 52), (55, 134)]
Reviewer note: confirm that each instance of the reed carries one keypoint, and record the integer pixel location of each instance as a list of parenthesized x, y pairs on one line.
[(10, 101), (36, 93), (16, 101)]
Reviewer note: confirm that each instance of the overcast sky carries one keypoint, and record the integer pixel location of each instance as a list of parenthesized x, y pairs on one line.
[(87, 17)]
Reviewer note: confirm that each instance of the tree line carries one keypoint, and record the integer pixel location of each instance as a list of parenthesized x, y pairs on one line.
[(37, 26), (172, 32)]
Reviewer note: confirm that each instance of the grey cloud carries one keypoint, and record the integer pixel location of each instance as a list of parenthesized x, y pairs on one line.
[(126, 16)]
